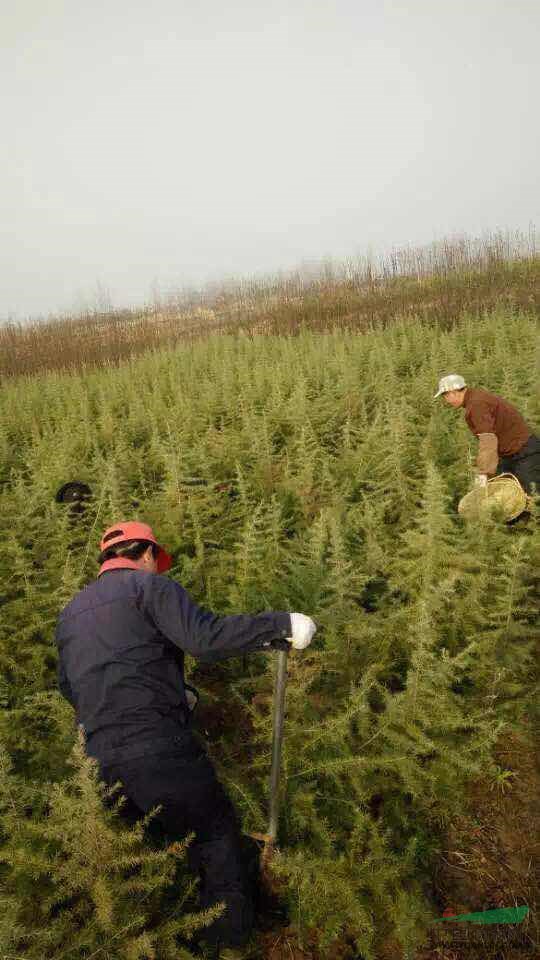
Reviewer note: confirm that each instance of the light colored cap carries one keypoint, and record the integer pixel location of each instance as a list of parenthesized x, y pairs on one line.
[(452, 381)]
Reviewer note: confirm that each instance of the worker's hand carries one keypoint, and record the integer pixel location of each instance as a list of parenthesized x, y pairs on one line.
[(279, 643), (480, 480), (302, 631)]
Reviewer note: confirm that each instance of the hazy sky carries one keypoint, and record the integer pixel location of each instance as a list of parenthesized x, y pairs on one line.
[(172, 142)]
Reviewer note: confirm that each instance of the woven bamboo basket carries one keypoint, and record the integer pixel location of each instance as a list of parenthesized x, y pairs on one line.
[(502, 495)]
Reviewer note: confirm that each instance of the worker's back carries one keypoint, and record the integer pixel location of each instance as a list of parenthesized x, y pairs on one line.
[(488, 413), (124, 678)]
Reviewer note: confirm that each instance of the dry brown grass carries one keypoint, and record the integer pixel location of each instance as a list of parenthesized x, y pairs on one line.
[(438, 283)]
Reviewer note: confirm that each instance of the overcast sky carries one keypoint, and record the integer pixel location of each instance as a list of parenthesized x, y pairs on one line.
[(167, 143)]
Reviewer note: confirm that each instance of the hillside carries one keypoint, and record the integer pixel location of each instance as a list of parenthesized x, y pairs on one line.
[(438, 283), (310, 473)]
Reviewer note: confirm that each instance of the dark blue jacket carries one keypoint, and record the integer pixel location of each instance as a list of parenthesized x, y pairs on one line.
[(121, 645)]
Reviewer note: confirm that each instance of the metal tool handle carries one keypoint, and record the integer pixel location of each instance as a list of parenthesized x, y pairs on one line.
[(277, 740)]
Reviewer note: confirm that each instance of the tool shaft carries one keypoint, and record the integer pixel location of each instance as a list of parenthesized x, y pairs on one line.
[(277, 740)]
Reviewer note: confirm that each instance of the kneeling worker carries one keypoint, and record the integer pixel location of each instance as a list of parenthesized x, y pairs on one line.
[(506, 442), (121, 645)]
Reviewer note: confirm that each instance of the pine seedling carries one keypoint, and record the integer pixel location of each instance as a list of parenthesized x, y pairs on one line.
[(82, 882)]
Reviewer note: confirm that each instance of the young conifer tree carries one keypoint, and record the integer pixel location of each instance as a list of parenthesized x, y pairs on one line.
[(77, 882)]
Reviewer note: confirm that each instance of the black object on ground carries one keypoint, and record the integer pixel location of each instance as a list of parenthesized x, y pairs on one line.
[(75, 494)]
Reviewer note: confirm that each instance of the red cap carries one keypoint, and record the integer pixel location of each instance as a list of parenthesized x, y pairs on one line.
[(133, 530)]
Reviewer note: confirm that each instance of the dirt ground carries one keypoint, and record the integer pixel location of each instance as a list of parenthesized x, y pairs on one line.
[(492, 859)]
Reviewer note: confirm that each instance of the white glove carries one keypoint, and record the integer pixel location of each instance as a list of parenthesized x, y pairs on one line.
[(192, 697), (480, 480), (302, 630)]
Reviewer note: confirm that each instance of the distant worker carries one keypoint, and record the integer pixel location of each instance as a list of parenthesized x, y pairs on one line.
[(506, 442), (121, 645)]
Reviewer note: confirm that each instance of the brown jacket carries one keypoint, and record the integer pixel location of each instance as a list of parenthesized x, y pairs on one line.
[(500, 428)]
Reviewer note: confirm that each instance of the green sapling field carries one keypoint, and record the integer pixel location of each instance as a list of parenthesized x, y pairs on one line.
[(311, 473)]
